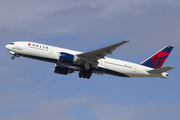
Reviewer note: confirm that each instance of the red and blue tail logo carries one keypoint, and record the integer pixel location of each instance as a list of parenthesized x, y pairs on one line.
[(158, 59)]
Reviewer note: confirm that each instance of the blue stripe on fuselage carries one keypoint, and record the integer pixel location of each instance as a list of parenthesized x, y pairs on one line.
[(98, 69), (111, 72), (40, 58)]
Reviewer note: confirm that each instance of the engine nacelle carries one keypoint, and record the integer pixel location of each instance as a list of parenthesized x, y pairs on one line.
[(67, 58), (61, 69)]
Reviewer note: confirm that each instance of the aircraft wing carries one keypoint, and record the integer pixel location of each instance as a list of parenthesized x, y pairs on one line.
[(100, 53)]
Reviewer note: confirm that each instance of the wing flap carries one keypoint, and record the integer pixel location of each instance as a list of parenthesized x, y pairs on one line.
[(161, 70)]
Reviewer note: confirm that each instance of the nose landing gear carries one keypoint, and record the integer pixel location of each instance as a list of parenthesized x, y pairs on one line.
[(14, 55)]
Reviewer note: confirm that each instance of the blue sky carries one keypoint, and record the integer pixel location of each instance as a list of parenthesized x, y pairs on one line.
[(30, 90)]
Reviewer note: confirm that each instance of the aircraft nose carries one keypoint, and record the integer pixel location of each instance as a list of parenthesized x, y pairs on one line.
[(7, 47)]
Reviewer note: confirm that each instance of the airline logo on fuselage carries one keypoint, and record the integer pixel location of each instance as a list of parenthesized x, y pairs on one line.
[(37, 46)]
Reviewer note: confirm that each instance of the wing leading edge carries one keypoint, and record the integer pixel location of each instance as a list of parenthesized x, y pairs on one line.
[(100, 53)]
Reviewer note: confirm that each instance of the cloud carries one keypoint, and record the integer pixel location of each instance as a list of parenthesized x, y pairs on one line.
[(143, 22), (137, 112), (54, 109), (148, 24), (65, 20), (14, 100), (70, 109), (86, 25)]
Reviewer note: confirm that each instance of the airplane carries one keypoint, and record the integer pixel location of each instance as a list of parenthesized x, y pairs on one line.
[(68, 61)]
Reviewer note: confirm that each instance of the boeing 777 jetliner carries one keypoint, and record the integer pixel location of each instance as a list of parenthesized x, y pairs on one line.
[(67, 61)]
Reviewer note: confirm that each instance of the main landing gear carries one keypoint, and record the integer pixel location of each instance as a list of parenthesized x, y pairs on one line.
[(85, 73)]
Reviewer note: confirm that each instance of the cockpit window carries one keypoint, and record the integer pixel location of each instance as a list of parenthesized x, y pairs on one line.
[(12, 43)]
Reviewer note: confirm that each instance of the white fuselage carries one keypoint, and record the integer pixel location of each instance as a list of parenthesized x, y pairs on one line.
[(105, 66)]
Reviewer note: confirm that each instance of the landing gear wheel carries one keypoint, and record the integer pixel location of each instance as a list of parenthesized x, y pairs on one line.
[(12, 57), (85, 73), (88, 73)]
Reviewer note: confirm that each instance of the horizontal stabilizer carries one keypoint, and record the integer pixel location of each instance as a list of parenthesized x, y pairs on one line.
[(161, 70)]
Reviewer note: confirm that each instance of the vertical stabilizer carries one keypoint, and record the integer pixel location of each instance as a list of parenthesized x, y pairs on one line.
[(158, 59)]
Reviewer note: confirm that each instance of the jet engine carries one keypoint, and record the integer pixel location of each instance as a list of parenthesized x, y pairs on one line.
[(67, 58), (62, 70)]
